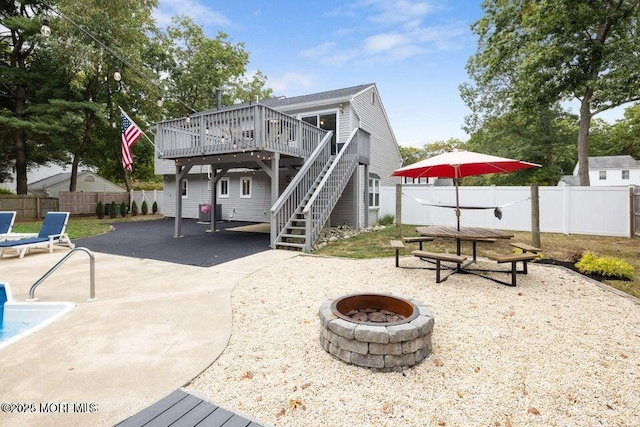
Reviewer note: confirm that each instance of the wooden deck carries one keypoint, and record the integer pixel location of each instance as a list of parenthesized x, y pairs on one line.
[(181, 409)]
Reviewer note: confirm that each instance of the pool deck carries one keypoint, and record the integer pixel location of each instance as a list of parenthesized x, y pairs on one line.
[(154, 327)]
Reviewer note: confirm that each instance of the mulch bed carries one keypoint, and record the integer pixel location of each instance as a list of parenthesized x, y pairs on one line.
[(571, 266)]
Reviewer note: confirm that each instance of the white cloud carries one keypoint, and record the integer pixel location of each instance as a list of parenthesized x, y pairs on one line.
[(290, 82), (384, 42), (385, 31), (201, 14)]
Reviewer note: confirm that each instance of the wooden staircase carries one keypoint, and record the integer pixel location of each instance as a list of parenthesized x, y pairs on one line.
[(294, 235)]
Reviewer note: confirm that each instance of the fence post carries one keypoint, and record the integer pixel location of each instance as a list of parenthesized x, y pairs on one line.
[(535, 215), (399, 210), (632, 212), (37, 207)]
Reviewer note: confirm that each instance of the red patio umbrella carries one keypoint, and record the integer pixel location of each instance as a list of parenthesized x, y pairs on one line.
[(458, 164)]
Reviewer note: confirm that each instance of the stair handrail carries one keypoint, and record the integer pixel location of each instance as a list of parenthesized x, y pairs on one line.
[(92, 274), (300, 174), (286, 205), (310, 231), (330, 171)]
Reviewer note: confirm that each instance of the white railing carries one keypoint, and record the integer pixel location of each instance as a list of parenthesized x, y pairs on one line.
[(603, 211), (291, 198), (317, 210), (255, 127)]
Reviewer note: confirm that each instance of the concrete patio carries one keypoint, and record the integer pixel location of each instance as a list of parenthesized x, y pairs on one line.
[(155, 326)]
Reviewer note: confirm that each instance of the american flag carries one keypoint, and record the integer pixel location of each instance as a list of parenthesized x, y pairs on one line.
[(130, 134)]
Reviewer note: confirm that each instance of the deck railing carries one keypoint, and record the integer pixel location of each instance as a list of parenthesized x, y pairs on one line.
[(326, 196), (292, 197), (255, 127)]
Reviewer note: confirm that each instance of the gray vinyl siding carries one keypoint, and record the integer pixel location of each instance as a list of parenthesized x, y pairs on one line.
[(385, 155), (164, 167), (343, 212), (255, 209)]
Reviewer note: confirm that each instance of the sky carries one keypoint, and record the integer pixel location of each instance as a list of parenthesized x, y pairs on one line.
[(414, 51)]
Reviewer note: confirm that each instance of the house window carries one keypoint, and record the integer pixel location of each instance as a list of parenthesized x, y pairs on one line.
[(326, 121), (374, 191), (603, 175), (245, 188), (223, 188), (185, 188), (625, 174)]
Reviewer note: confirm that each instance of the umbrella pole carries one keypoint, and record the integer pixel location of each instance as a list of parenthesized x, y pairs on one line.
[(457, 218)]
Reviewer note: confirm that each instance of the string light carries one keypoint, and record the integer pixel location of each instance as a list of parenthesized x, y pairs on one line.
[(116, 74)]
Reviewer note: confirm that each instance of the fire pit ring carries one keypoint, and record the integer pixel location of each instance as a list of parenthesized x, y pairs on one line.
[(382, 332)]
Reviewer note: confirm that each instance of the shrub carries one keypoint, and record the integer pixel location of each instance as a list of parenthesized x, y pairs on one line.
[(100, 210), (6, 191), (123, 209), (134, 208), (610, 267), (154, 208), (113, 209), (145, 208), (387, 219)]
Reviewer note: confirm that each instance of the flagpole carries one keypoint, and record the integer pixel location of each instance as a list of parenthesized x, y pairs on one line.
[(145, 135)]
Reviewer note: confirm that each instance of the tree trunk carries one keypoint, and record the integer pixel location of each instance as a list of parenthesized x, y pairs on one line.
[(583, 139), (89, 123), (20, 144)]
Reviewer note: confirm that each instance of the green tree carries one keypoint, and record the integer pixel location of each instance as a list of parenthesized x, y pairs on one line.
[(412, 155), (20, 38), (546, 137), (533, 54)]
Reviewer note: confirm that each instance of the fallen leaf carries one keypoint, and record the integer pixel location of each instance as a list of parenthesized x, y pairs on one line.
[(497, 424), (512, 313), (259, 399), (438, 362), (519, 294), (477, 369), (624, 356), (442, 423), (571, 398), (281, 413), (297, 403), (307, 385), (604, 364), (459, 394), (533, 411), (508, 423), (387, 408), (247, 375), (295, 388)]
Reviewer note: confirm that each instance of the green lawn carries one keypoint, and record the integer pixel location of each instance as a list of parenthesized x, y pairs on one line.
[(556, 246)]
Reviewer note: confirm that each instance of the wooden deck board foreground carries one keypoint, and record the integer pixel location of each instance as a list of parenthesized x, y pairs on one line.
[(181, 409)]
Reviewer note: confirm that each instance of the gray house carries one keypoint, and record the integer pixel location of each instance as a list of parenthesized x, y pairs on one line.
[(86, 181), (297, 163)]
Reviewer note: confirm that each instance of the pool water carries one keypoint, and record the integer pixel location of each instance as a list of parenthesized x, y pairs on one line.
[(19, 319)]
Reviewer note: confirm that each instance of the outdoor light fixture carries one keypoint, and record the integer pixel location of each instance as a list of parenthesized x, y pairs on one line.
[(116, 74), (159, 102), (206, 131), (45, 29), (187, 120)]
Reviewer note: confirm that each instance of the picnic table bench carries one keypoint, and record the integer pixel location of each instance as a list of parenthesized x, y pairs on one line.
[(525, 247), (514, 259), (438, 257), (418, 239)]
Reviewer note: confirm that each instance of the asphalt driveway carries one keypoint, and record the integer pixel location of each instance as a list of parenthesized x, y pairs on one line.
[(154, 240)]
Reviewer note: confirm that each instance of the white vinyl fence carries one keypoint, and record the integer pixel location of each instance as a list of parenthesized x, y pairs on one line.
[(603, 211), (150, 196)]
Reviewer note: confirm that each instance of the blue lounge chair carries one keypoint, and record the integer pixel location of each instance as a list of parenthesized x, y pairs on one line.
[(52, 232), (6, 223)]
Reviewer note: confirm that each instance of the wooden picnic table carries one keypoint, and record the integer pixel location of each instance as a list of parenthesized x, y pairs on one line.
[(472, 234)]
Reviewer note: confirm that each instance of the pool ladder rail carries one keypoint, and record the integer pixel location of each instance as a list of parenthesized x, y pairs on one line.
[(92, 274)]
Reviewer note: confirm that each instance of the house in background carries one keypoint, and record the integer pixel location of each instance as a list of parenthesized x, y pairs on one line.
[(34, 174), (608, 171), (86, 181), (298, 163)]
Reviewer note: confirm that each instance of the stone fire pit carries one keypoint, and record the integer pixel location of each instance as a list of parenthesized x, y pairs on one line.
[(383, 332)]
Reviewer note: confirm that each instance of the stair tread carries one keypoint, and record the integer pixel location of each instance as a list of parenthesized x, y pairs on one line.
[(291, 245)]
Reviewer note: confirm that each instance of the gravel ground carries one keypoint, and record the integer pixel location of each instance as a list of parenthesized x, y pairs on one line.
[(557, 350)]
